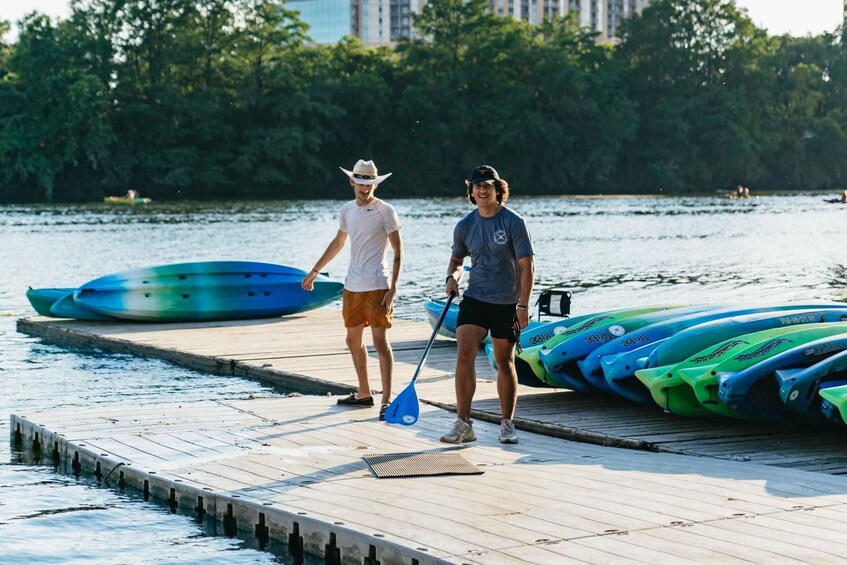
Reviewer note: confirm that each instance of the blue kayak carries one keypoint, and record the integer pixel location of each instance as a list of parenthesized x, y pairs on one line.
[(799, 390), (755, 391)]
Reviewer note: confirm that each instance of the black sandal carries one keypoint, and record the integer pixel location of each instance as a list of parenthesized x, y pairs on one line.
[(354, 400)]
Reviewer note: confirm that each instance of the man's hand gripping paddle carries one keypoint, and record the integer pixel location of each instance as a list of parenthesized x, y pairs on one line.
[(405, 409)]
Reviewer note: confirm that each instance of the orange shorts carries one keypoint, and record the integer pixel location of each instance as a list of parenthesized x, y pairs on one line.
[(365, 308)]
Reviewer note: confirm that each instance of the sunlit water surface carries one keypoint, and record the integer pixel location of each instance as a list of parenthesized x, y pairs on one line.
[(611, 252)]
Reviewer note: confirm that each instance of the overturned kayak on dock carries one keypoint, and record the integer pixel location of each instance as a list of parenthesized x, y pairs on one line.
[(190, 292), (209, 290)]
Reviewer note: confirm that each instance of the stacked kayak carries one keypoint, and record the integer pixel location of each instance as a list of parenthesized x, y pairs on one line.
[(189, 292), (773, 362)]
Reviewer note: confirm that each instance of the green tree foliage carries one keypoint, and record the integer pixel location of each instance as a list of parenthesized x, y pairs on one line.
[(687, 62), (279, 135), (581, 115), (55, 127), (358, 85), (539, 102), (805, 113), (230, 99)]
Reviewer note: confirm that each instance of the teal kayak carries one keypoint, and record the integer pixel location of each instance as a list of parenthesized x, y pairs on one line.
[(201, 291)]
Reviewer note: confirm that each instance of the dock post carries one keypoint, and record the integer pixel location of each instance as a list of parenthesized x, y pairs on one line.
[(230, 525), (371, 558), (19, 436), (332, 553), (295, 544), (76, 466), (36, 446), (201, 511)]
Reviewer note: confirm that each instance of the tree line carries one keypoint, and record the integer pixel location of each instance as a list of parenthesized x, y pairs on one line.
[(211, 99)]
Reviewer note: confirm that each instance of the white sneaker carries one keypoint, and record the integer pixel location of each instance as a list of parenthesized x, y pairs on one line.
[(462, 432), (507, 432)]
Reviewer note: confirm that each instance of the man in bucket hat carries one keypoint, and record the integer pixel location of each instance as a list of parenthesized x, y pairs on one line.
[(496, 300), (369, 288)]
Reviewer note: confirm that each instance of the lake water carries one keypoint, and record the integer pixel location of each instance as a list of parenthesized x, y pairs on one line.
[(612, 253)]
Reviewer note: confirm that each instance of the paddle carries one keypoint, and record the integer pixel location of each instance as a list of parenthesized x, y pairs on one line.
[(404, 409)]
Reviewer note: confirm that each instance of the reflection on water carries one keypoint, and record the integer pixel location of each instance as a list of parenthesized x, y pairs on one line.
[(612, 253)]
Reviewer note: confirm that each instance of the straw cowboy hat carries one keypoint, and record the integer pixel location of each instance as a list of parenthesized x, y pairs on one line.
[(365, 173)]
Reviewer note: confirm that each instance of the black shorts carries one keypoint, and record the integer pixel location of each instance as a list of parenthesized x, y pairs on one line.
[(499, 319)]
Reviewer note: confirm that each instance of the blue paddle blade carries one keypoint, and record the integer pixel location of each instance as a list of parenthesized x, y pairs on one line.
[(404, 409)]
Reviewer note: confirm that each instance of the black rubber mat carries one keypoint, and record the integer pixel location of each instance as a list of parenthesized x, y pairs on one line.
[(393, 465)]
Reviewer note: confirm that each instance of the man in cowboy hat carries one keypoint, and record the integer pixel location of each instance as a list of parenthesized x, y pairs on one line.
[(496, 300), (369, 289)]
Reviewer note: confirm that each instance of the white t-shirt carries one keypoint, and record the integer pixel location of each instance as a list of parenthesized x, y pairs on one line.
[(368, 228)]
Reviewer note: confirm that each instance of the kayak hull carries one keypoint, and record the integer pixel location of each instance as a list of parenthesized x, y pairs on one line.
[(205, 291)]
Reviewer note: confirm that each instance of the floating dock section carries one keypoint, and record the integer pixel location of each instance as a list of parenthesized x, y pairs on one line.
[(293, 469), (296, 470)]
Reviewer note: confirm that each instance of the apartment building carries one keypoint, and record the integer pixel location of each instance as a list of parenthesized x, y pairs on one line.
[(379, 22)]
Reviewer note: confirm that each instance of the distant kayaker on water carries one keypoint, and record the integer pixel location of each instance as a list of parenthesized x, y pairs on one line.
[(739, 193), (369, 288), (496, 300)]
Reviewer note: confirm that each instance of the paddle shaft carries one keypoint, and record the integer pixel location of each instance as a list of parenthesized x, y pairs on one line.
[(432, 338)]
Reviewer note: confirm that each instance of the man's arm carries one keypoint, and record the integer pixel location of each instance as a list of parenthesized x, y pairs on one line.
[(526, 276), (454, 274), (397, 246), (335, 246)]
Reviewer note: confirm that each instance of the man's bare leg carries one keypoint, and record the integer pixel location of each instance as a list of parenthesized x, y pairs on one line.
[(359, 352), (507, 376), (386, 360), (468, 340)]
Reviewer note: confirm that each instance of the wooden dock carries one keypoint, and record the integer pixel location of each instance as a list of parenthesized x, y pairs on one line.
[(292, 470), (306, 353)]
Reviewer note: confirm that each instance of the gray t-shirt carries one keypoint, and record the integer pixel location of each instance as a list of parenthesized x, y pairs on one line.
[(494, 244)]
